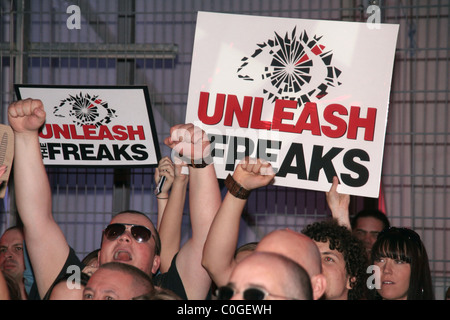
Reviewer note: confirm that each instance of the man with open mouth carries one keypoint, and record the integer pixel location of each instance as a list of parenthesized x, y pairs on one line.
[(131, 236)]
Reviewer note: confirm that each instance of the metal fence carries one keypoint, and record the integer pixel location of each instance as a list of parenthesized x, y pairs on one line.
[(150, 43)]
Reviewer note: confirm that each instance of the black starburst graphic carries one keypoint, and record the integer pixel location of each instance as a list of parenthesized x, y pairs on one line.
[(85, 109), (290, 67)]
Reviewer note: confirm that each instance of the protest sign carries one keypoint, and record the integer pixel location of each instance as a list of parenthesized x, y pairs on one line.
[(309, 96), (95, 126)]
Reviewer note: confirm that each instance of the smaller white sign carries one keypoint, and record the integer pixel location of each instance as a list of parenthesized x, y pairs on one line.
[(95, 125)]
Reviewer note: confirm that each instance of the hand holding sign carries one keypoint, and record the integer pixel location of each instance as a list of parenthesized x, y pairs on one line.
[(303, 94), (338, 204), (109, 126)]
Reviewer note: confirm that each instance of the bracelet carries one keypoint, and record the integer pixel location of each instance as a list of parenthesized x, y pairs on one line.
[(236, 189), (198, 165), (162, 198)]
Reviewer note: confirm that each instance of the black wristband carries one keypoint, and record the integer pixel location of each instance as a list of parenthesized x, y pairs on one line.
[(194, 164)]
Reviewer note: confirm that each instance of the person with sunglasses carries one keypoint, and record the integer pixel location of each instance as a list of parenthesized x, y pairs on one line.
[(132, 238), (219, 257), (401, 259), (300, 248), (267, 276)]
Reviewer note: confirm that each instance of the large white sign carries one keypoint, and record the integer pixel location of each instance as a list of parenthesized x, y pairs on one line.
[(96, 126), (310, 96)]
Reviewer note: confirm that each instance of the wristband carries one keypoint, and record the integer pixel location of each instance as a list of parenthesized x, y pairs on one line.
[(198, 165), (236, 189), (195, 162)]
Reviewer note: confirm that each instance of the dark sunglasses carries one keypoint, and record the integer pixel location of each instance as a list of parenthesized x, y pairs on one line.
[(139, 233), (227, 292)]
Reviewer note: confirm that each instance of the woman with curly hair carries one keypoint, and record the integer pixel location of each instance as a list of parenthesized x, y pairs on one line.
[(344, 260)]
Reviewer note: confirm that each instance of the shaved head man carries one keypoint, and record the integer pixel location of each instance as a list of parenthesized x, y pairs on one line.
[(299, 248), (268, 276)]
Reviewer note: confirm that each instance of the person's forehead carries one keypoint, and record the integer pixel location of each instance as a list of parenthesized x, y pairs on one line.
[(282, 238), (369, 224), (257, 276), (132, 218), (105, 280), (324, 248), (257, 264), (12, 236)]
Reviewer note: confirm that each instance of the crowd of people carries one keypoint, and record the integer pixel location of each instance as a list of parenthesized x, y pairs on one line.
[(140, 260)]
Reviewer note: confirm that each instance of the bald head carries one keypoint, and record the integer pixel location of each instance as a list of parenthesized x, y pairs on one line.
[(279, 276), (117, 281), (295, 246)]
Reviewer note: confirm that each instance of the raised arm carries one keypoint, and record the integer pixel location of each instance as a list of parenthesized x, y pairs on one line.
[(169, 226), (338, 204), (164, 169), (46, 244), (191, 142), (218, 253)]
